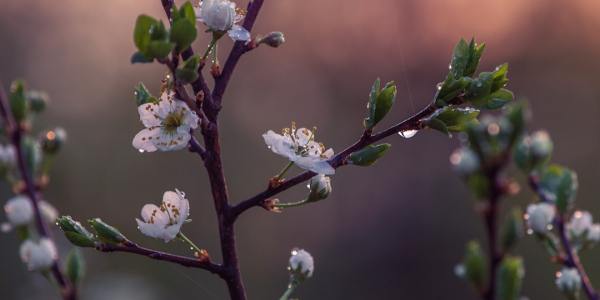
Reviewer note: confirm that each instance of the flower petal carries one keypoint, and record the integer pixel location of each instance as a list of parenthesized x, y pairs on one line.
[(239, 33), (279, 144), (172, 141), (146, 138), (318, 166), (148, 114)]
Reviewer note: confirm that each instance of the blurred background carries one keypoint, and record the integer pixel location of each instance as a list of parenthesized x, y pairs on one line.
[(391, 231)]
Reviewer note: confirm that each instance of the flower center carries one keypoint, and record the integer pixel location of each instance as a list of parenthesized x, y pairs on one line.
[(172, 121)]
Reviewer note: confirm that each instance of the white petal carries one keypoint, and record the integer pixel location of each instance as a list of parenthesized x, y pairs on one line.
[(145, 139), (318, 166), (303, 136), (148, 114), (49, 213), (328, 154), (171, 142), (239, 33), (279, 144), (153, 215), (19, 210)]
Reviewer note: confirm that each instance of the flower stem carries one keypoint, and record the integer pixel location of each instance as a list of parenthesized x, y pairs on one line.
[(186, 240), (284, 170), (292, 204), (212, 45), (290, 289)]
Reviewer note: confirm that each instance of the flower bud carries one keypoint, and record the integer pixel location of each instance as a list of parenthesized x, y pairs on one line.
[(568, 281), (580, 223), (19, 211), (301, 264), (8, 156), (52, 140), (320, 188), (218, 15), (464, 161), (105, 232), (541, 145), (273, 39), (75, 232), (37, 100), (38, 255), (593, 234), (539, 217)]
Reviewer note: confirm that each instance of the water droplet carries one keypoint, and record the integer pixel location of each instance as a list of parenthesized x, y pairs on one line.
[(191, 248), (450, 67), (439, 86), (530, 231), (479, 84), (549, 227), (308, 186), (141, 150), (407, 134)]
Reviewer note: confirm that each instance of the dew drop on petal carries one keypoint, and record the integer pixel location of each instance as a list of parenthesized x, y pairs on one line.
[(407, 134), (141, 150)]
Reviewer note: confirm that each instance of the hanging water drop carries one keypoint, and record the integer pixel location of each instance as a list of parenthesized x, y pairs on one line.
[(141, 150), (407, 134)]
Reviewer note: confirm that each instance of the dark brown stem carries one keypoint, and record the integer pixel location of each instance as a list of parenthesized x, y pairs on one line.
[(571, 258), (15, 133), (413, 123), (130, 247), (491, 226)]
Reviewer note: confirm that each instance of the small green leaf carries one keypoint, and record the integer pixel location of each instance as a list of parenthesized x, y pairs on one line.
[(37, 100), (183, 33), (479, 185), (143, 30), (75, 265), (139, 57), (159, 49), (32, 153), (474, 263), (499, 98), (369, 155), (142, 95), (559, 185), (187, 12), (450, 89), (188, 72), (18, 101), (75, 232), (475, 52), (380, 102), (460, 58), (105, 232), (512, 229), (454, 119), (499, 78), (510, 278)]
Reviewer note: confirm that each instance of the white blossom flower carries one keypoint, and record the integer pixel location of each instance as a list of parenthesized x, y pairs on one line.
[(168, 124), (164, 221), (19, 212), (464, 161), (222, 16), (299, 147), (540, 216), (302, 263), (7, 156), (568, 280), (580, 223), (593, 234), (38, 255)]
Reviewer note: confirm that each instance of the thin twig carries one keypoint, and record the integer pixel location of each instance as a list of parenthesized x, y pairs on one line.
[(571, 258), (68, 290), (131, 247)]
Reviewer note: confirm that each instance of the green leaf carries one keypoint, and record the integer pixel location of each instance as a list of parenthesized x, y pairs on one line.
[(369, 155), (187, 12), (105, 232), (512, 229), (143, 30), (139, 57), (188, 72), (474, 263), (475, 52), (75, 232), (37, 100), (159, 49), (380, 102), (450, 89), (479, 185), (453, 119), (32, 153), (465, 58), (142, 95), (183, 33), (499, 78), (559, 185), (510, 278), (75, 265), (18, 101), (499, 98)]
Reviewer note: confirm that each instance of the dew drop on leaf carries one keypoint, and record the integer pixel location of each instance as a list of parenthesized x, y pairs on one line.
[(407, 134)]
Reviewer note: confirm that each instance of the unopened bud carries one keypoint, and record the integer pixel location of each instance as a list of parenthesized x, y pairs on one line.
[(37, 100), (539, 217), (52, 140), (105, 232), (273, 39), (568, 281), (320, 188), (464, 161), (301, 264), (75, 232)]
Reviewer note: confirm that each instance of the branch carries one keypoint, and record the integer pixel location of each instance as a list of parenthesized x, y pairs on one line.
[(237, 51), (571, 259), (413, 123), (131, 247), (15, 133)]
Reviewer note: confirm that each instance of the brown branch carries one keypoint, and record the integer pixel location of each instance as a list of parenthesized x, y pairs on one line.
[(131, 247), (413, 123), (15, 133), (571, 258)]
